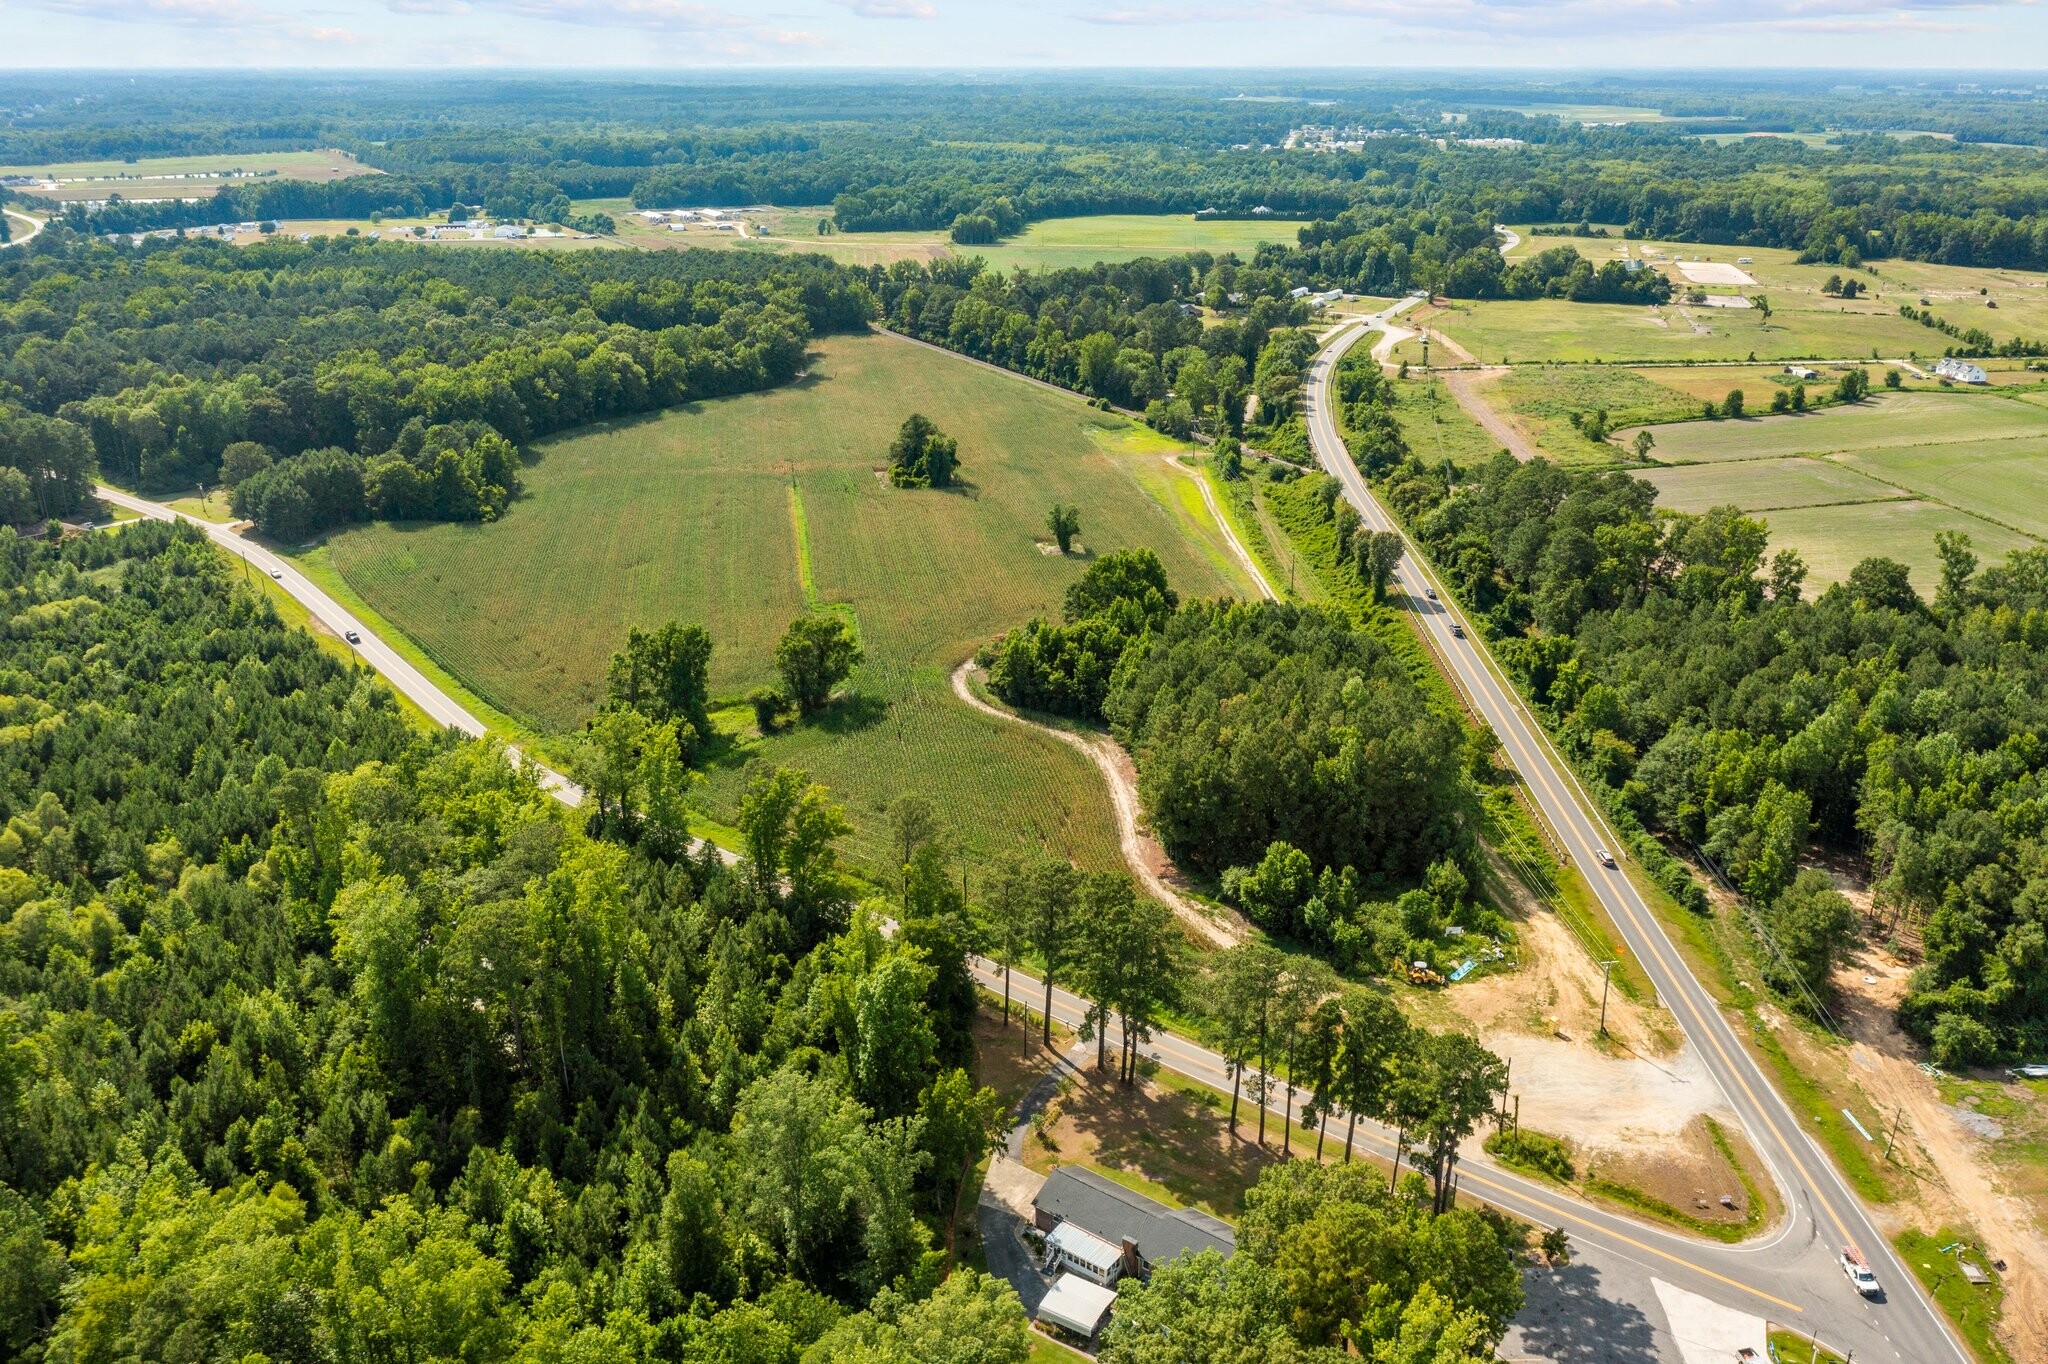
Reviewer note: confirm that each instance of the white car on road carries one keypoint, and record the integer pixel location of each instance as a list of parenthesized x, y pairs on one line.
[(1858, 1270)]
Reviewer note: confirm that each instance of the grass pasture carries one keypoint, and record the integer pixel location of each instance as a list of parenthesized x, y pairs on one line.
[(688, 514), (1544, 397), (1834, 540), (2000, 480), (1805, 323), (1878, 477), (1764, 485)]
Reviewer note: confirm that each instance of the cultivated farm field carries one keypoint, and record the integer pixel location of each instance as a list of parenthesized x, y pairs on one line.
[(696, 514), (1879, 477), (1897, 419)]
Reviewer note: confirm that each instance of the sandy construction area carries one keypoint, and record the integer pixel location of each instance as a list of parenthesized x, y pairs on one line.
[(1713, 272)]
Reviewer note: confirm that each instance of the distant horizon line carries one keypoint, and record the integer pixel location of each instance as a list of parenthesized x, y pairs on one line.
[(1680, 74)]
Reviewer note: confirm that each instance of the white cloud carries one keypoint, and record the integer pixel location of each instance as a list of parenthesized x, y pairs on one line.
[(1560, 19), (889, 9), (180, 13)]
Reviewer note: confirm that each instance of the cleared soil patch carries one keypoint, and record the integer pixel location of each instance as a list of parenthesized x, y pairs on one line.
[(1715, 272), (1763, 485), (1879, 423), (687, 515)]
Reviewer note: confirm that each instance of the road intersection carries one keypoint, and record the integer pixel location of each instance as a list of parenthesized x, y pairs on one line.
[(1607, 1306), (1824, 1213)]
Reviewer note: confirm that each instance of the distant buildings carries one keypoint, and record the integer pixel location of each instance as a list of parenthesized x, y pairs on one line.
[(1961, 372)]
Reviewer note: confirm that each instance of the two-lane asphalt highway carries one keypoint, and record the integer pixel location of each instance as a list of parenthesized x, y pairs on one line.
[(1904, 1325)]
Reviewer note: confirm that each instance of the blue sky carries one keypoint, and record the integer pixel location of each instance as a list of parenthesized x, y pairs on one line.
[(1626, 34)]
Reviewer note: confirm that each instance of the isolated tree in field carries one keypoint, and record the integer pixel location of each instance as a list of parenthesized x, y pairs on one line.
[(1378, 553), (816, 654), (1064, 522), (1644, 443), (664, 674), (1893, 379), (1731, 406), (1763, 308), (922, 456), (1053, 887)]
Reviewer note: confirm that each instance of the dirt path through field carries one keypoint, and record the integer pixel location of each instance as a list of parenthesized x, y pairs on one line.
[(1142, 852), (1469, 387), (1244, 556), (1886, 1065)]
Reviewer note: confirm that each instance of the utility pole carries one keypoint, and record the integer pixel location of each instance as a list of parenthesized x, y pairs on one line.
[(1606, 977), (1893, 1134)]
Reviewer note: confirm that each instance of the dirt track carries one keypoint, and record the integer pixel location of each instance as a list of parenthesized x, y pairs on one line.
[(1142, 852), (1467, 385)]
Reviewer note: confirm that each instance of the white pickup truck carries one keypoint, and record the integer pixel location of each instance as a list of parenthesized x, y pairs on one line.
[(1858, 1270)]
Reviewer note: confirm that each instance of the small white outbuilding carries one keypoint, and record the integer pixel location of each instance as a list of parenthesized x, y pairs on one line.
[(1076, 1305)]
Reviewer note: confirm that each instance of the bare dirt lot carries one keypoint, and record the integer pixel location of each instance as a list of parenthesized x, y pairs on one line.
[(1714, 272), (1977, 1144)]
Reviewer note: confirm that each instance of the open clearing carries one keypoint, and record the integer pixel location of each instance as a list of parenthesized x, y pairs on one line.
[(1957, 293), (1874, 478), (694, 514), (1763, 485), (174, 177), (1893, 420), (1520, 330), (1056, 243), (1834, 540), (2000, 480)]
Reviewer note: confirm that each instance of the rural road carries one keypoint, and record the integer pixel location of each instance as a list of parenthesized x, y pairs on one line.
[(1905, 1325), (1605, 1306), (1142, 853), (407, 680), (35, 225)]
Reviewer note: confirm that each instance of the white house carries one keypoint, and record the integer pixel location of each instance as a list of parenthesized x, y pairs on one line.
[(1961, 372), (1801, 372), (1298, 291), (1073, 1249)]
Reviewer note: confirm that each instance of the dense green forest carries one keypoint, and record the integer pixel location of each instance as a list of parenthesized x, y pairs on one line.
[(409, 374), (329, 1040), (1741, 717), (989, 157)]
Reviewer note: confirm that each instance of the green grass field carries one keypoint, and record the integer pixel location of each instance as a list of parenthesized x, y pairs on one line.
[(1834, 540), (1764, 485), (313, 165), (1905, 419), (1056, 243), (1957, 293), (2000, 480), (688, 515), (1544, 397), (1522, 330), (1878, 477)]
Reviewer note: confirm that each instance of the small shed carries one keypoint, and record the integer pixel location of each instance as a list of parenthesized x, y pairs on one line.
[(1076, 1305), (1078, 1251)]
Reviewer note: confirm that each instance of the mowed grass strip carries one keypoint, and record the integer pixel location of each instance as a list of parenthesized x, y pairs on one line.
[(687, 515), (1833, 540), (1889, 420), (1764, 485)]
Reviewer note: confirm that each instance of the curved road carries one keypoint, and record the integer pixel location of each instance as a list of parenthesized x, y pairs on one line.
[(407, 680), (35, 225), (1826, 1214)]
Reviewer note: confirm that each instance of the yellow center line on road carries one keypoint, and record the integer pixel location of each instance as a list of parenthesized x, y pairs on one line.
[(1168, 1048)]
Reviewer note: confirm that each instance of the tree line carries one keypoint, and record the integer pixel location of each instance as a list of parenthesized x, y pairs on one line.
[(1692, 675), (384, 380)]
